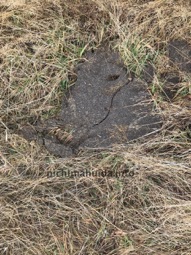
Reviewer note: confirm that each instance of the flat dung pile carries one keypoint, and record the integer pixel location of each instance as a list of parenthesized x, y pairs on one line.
[(106, 106)]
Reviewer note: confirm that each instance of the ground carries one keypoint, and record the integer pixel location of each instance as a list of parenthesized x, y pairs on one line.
[(143, 205)]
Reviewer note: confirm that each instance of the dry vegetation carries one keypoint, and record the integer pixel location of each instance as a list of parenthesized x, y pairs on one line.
[(150, 213)]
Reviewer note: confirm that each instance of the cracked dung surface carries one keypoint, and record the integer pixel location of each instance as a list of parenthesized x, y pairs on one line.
[(105, 106)]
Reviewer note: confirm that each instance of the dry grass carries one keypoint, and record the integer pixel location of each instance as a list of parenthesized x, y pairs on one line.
[(149, 213)]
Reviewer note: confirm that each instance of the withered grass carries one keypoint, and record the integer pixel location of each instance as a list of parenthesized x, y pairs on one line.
[(149, 213)]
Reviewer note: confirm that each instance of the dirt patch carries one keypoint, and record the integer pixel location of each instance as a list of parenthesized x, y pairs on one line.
[(179, 53), (148, 73), (106, 106)]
